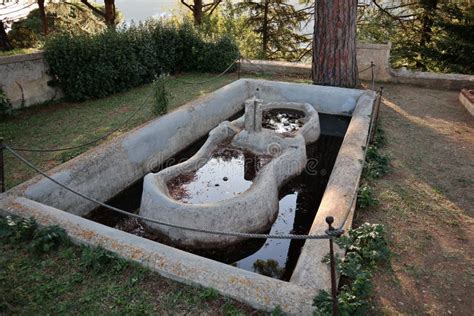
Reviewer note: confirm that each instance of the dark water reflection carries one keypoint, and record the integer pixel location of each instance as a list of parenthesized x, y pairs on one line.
[(299, 201)]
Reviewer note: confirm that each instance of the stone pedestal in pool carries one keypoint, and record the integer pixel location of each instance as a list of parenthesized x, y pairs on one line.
[(231, 184)]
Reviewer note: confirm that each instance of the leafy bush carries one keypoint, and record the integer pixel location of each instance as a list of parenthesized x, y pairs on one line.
[(98, 260), (365, 198), (366, 248), (379, 137), (376, 165), (48, 238), (16, 229), (161, 96), (92, 66), (41, 239)]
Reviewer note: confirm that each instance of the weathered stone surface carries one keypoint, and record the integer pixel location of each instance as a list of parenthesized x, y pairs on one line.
[(24, 79), (466, 97), (252, 211), (379, 54), (107, 169)]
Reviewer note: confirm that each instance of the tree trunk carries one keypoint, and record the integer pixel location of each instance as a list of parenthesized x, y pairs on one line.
[(429, 9), (197, 12), (334, 43), (43, 17), (4, 42), (265, 29), (110, 12)]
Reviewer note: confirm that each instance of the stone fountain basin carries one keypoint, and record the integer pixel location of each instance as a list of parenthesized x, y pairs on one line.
[(251, 211), (103, 172)]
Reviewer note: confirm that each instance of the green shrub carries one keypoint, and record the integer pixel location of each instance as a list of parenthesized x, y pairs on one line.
[(93, 66), (366, 247), (365, 197), (376, 165), (16, 230), (48, 238), (98, 260), (379, 137), (161, 96)]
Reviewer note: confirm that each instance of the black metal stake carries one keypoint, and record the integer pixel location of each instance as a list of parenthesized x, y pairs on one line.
[(378, 104), (2, 167), (335, 310), (238, 67), (375, 116), (372, 66)]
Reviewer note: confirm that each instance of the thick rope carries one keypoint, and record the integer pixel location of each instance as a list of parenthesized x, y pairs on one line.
[(125, 122), (329, 233), (210, 79)]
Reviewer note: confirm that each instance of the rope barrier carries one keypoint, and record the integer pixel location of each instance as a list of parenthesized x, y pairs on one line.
[(123, 124), (92, 141), (328, 234), (208, 80), (365, 69), (372, 66)]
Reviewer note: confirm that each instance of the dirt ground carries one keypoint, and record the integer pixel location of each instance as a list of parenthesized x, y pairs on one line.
[(426, 203)]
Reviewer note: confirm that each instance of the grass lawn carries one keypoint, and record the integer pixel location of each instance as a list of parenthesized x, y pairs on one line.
[(65, 124), (61, 282), (425, 202)]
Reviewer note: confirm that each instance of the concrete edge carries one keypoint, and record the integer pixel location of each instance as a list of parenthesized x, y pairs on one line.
[(417, 78), (115, 141), (339, 197), (5, 60), (467, 99), (258, 291)]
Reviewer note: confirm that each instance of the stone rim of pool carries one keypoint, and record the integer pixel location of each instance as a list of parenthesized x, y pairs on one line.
[(114, 165), (251, 211)]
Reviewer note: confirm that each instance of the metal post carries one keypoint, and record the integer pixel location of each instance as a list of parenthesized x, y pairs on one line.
[(335, 310), (2, 167), (238, 67), (372, 66), (378, 104), (375, 115)]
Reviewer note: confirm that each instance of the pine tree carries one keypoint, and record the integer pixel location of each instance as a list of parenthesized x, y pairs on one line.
[(334, 43), (278, 24)]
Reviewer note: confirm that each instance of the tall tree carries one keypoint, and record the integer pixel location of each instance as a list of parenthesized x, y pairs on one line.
[(334, 43), (109, 12), (279, 25), (200, 8), (428, 35), (4, 42), (43, 17)]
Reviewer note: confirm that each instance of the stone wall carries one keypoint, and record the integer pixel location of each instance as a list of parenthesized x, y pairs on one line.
[(24, 80), (379, 54)]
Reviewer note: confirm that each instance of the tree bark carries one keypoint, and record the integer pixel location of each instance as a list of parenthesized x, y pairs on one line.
[(109, 12), (334, 43), (429, 9), (43, 17), (4, 42), (199, 9), (197, 12), (265, 29)]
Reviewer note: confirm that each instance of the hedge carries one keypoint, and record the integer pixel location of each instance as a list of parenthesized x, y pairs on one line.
[(94, 66)]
